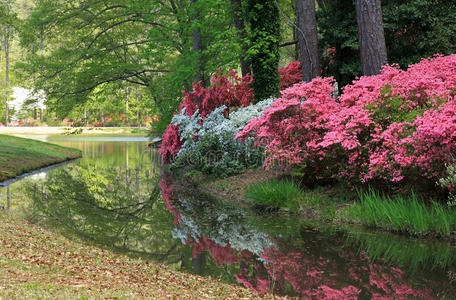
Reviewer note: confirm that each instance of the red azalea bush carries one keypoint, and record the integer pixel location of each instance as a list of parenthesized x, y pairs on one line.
[(395, 125), (229, 90), (290, 75)]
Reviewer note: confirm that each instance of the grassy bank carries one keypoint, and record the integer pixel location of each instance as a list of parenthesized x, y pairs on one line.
[(403, 214), (37, 264), (19, 155), (336, 204)]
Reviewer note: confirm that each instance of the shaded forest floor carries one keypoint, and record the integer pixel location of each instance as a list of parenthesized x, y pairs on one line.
[(35, 263)]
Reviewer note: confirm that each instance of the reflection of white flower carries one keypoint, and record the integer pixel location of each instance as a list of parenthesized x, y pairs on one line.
[(38, 176), (226, 228), (25, 99)]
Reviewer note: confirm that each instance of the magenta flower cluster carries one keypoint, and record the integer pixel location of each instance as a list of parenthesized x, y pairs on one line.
[(400, 124)]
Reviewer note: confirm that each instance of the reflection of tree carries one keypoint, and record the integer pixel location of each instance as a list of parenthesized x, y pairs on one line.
[(307, 264), (100, 205)]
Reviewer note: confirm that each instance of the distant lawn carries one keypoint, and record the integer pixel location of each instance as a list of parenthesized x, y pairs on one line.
[(19, 155)]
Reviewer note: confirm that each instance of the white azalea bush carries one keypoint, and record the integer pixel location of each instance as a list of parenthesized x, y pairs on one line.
[(210, 146)]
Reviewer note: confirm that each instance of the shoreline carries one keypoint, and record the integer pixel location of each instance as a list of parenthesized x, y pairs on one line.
[(32, 172), (231, 190), (19, 156)]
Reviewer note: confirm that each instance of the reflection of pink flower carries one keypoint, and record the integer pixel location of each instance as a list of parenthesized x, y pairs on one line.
[(312, 277), (167, 192), (221, 255)]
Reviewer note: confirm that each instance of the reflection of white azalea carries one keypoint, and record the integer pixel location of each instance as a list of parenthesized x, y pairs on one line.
[(38, 176), (25, 99), (226, 228)]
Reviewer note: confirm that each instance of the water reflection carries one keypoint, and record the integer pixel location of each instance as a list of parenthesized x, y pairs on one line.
[(116, 197), (291, 257)]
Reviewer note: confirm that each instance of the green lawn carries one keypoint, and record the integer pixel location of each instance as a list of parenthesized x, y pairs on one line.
[(38, 264), (19, 155)]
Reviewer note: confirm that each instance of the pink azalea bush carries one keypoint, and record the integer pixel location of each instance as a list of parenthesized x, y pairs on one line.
[(389, 127), (229, 90)]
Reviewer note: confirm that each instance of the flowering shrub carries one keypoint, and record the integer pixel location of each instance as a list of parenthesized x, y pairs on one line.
[(387, 127), (229, 90), (290, 128), (290, 75), (211, 147)]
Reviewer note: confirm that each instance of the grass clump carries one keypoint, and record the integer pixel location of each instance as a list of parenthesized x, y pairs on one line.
[(403, 214), (274, 194)]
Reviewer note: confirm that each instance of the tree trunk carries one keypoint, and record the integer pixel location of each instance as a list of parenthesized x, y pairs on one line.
[(295, 33), (7, 45), (138, 101), (127, 105), (6, 78), (240, 27), (307, 37), (371, 36), (196, 37)]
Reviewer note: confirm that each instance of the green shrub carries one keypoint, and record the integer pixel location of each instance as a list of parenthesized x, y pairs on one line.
[(275, 194), (403, 214), (219, 155)]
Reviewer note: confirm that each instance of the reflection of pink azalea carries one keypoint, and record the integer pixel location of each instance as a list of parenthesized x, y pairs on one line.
[(314, 277), (167, 193)]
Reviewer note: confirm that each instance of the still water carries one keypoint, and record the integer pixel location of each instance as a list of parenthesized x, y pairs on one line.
[(117, 197)]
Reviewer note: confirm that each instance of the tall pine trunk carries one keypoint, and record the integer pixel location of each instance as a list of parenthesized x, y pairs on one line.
[(308, 40), (6, 77), (196, 38), (7, 48), (371, 36), (240, 27)]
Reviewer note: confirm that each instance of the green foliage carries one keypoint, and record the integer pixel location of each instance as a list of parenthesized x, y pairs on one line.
[(264, 47), (449, 182), (413, 30), (418, 28), (85, 54), (395, 108), (403, 214), (219, 156), (338, 31), (275, 194)]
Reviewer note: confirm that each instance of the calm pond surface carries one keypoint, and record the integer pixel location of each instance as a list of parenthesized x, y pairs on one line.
[(113, 196)]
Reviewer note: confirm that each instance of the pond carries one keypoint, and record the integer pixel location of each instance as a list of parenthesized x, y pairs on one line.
[(117, 197)]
